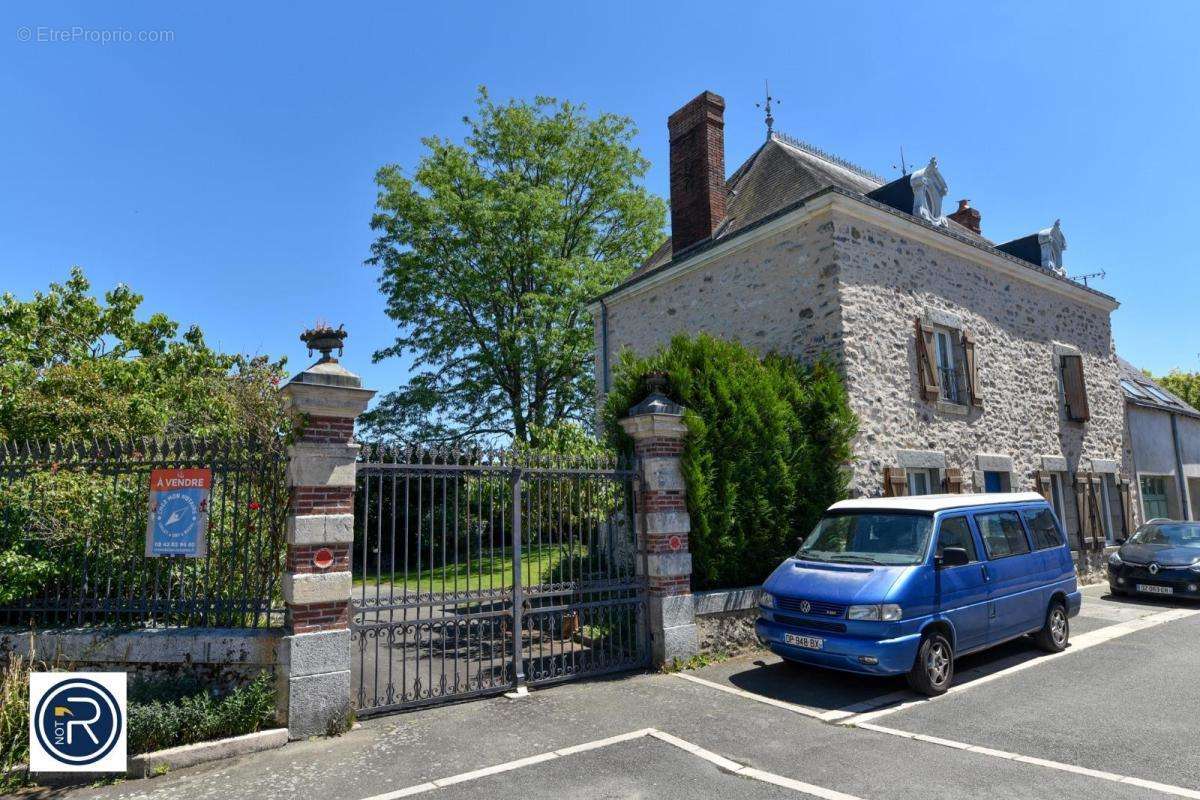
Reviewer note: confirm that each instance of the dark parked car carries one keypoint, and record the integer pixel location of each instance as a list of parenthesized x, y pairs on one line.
[(1161, 558)]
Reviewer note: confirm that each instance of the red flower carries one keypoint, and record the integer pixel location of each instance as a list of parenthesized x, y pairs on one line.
[(254, 506)]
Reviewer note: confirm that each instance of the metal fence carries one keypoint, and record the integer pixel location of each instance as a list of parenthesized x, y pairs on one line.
[(477, 571), (73, 521)]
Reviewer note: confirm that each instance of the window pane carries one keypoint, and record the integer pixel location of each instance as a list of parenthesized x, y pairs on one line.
[(1044, 531), (956, 533), (1002, 534), (918, 482)]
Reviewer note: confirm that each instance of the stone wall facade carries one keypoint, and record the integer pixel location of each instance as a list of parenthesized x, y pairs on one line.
[(848, 281), (887, 281), (779, 293)]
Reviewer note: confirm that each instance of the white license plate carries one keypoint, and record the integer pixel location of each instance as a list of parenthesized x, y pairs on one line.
[(1148, 589), (811, 642)]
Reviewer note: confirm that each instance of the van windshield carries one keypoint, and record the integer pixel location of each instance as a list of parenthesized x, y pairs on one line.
[(890, 539)]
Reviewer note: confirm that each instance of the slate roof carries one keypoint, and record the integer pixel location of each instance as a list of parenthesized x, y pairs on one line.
[(1141, 391), (781, 172)]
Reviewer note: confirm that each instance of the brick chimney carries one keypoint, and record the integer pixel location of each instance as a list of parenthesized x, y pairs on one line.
[(697, 170), (966, 216)]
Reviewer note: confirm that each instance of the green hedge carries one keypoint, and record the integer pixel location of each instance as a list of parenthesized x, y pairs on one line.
[(174, 712), (767, 438)]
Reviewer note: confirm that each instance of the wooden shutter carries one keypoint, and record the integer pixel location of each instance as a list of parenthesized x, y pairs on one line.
[(1126, 507), (954, 480), (1042, 485), (1074, 389), (972, 372), (1095, 498), (927, 373), (895, 482), (1082, 511)]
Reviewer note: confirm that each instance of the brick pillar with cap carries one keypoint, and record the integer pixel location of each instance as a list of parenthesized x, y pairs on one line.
[(313, 673), (657, 429)]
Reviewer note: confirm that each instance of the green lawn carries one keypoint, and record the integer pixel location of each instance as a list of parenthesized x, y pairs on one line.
[(537, 564)]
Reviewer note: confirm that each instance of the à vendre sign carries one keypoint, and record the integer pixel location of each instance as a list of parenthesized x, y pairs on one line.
[(178, 523)]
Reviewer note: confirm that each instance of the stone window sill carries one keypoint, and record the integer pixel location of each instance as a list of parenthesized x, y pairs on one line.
[(958, 409)]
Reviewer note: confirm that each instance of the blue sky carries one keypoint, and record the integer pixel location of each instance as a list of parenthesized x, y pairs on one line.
[(227, 174)]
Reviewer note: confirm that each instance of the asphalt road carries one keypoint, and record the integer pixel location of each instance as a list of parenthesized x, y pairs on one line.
[(752, 727)]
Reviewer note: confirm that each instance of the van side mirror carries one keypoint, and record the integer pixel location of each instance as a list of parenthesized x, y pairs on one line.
[(953, 557)]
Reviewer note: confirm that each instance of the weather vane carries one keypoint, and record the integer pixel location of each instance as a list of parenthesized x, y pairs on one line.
[(767, 105), (903, 164)]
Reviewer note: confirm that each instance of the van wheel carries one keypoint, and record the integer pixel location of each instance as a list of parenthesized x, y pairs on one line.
[(1054, 634), (933, 669)]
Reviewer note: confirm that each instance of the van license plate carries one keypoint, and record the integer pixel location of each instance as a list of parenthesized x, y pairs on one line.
[(1149, 589), (811, 642)]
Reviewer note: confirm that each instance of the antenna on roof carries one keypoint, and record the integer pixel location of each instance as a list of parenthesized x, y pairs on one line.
[(767, 105), (903, 164), (1101, 275)]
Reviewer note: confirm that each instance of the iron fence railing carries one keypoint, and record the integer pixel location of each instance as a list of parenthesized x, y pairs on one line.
[(477, 571), (73, 519)]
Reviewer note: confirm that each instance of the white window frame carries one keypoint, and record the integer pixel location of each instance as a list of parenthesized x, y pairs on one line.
[(1057, 480), (943, 346), (932, 476)]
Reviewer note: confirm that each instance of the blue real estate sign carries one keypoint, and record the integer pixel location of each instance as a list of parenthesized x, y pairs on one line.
[(178, 523)]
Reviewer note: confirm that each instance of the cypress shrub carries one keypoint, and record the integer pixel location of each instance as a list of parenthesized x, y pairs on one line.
[(767, 438)]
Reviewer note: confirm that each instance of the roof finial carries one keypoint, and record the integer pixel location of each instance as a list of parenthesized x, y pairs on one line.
[(903, 167), (767, 105)]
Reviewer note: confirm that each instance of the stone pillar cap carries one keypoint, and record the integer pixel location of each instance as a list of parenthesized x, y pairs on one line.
[(327, 389), (657, 403)]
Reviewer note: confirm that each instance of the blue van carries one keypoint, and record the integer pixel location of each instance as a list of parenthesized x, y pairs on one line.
[(904, 585)]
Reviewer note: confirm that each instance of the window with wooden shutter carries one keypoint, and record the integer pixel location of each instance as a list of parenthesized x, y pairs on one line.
[(971, 371), (954, 480), (927, 373), (895, 482), (1074, 389)]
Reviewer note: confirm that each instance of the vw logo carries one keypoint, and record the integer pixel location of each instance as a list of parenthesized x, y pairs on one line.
[(805, 606), (1154, 568)]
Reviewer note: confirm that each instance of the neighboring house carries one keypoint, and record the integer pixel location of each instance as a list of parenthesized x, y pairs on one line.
[(972, 366), (1162, 447)]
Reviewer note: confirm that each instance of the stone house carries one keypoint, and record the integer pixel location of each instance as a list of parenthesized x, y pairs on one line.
[(1162, 447), (973, 366)]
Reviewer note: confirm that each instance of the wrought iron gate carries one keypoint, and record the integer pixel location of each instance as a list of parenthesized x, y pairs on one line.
[(477, 572)]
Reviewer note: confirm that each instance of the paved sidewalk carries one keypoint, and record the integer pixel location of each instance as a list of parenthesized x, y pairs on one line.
[(749, 742)]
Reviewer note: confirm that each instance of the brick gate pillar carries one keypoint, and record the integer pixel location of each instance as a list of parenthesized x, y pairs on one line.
[(313, 673), (657, 429)]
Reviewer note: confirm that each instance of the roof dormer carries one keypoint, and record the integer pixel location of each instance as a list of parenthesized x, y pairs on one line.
[(920, 193), (1044, 248)]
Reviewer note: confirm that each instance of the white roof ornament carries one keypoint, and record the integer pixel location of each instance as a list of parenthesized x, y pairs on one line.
[(1053, 243), (929, 189)]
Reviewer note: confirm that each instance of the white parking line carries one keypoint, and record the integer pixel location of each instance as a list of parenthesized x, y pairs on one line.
[(1078, 644), (825, 715), (719, 761), (1165, 788)]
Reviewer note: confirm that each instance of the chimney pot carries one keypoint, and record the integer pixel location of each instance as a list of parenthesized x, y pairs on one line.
[(697, 134), (966, 216)]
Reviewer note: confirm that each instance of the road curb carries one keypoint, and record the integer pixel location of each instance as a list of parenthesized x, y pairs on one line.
[(148, 764)]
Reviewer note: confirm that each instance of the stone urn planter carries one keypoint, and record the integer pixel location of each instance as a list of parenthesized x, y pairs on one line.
[(324, 340)]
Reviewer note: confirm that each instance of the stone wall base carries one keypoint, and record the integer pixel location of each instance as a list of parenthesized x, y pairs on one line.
[(217, 657), (729, 633), (1091, 566)]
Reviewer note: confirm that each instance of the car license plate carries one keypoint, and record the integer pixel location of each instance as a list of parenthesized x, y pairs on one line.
[(1149, 589), (810, 642)]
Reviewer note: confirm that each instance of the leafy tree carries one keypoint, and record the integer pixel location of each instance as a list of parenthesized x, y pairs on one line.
[(487, 256), (1184, 384), (76, 367), (767, 441)]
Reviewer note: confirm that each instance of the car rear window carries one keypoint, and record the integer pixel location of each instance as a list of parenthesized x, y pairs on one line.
[(1002, 533), (1043, 529)]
